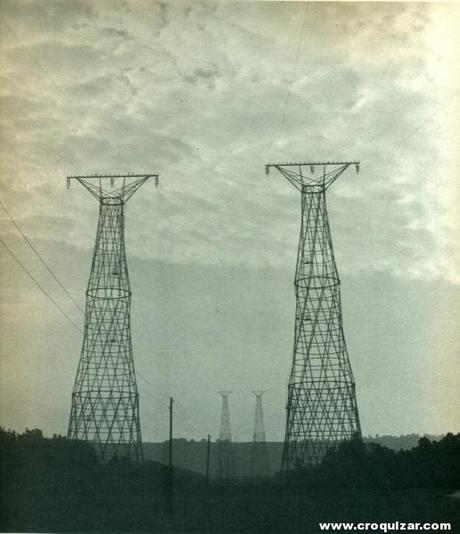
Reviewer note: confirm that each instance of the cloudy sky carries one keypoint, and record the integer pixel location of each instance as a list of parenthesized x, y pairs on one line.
[(206, 93)]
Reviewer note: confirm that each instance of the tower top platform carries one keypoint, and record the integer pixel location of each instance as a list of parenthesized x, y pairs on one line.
[(314, 176), (113, 188)]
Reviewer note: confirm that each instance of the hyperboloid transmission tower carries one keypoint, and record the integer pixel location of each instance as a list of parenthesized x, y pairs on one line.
[(259, 454), (321, 406), (226, 467), (105, 399)]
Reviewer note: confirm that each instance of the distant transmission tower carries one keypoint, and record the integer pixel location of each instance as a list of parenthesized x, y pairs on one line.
[(225, 447), (321, 407), (259, 454), (105, 400)]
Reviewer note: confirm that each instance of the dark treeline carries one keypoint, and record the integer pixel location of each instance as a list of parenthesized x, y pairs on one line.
[(406, 441), (59, 485), (356, 464), (191, 454)]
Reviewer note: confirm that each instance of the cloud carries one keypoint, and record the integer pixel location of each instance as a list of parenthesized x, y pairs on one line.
[(206, 93)]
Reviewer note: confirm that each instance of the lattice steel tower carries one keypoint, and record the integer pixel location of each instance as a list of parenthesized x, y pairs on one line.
[(321, 406), (226, 465), (105, 400), (259, 454)]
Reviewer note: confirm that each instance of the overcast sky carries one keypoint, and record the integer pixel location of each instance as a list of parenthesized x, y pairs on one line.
[(206, 93)]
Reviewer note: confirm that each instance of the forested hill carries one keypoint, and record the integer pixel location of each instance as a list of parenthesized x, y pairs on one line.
[(191, 454), (59, 485)]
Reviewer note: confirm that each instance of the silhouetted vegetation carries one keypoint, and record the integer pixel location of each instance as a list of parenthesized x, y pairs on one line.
[(59, 485), (357, 465), (406, 441), (191, 454)]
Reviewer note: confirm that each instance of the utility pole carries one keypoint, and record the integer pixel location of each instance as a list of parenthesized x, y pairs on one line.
[(105, 399), (170, 489), (321, 407), (208, 456)]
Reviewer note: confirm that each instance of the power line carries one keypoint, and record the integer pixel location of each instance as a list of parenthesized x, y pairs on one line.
[(42, 289), (294, 70), (431, 116), (61, 92), (412, 131), (427, 120), (182, 415), (27, 240), (397, 49), (186, 420), (393, 57), (192, 373), (48, 77), (153, 396), (190, 370)]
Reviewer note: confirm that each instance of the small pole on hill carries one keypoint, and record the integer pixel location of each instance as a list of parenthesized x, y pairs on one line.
[(169, 496), (208, 454)]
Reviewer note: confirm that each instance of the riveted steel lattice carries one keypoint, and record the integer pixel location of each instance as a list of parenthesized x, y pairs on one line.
[(105, 399), (226, 464), (321, 407), (260, 466)]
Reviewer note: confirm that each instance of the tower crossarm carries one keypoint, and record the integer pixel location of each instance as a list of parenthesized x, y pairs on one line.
[(225, 393), (314, 175), (117, 187)]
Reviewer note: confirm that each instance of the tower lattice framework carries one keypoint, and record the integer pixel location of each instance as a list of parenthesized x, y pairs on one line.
[(105, 399), (260, 466), (226, 464), (321, 407)]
